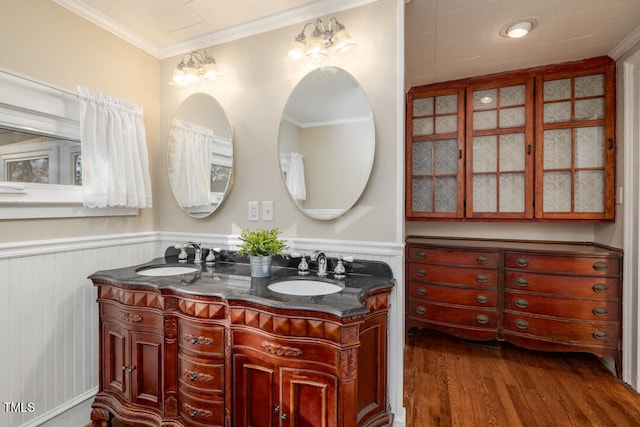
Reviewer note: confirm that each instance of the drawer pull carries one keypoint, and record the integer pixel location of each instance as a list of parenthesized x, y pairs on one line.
[(521, 324), (522, 262), (482, 299), (600, 335), (194, 376), (421, 291), (421, 255), (194, 340), (600, 266), (521, 303), (482, 278), (522, 282), (600, 311), (421, 272), (482, 319), (600, 288), (421, 310), (482, 259)]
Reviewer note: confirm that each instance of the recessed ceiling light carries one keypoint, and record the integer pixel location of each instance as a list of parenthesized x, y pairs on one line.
[(518, 29)]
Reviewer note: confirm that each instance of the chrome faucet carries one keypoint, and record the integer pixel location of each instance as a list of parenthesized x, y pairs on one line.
[(183, 252), (321, 259)]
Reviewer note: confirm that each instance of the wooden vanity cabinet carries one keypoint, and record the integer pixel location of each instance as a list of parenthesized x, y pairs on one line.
[(310, 369), (202, 361), (543, 296)]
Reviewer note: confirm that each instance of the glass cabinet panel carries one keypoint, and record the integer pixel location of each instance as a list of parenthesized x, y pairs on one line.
[(434, 147), (499, 139), (576, 146)]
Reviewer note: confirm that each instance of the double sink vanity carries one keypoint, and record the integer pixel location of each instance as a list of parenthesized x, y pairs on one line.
[(205, 344)]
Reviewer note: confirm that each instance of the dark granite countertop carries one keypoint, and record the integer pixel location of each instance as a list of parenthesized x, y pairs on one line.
[(231, 280)]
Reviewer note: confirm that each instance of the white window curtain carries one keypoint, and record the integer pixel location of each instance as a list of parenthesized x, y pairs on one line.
[(295, 178), (115, 163), (189, 164)]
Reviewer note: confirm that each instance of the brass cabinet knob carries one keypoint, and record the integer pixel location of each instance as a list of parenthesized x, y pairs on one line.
[(600, 288)]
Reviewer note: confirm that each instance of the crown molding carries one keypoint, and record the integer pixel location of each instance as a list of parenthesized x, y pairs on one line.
[(623, 47), (217, 37)]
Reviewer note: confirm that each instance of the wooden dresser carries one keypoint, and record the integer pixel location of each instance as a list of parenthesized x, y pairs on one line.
[(539, 295)]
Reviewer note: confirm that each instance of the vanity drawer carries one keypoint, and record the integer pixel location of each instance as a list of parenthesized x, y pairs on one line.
[(573, 286), (448, 256), (559, 307), (198, 412), (453, 275), (590, 266), (200, 339), (198, 375), (450, 295), (453, 314), (570, 331), (302, 351), (130, 316)]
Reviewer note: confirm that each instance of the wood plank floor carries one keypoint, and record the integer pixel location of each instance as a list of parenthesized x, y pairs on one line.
[(453, 382)]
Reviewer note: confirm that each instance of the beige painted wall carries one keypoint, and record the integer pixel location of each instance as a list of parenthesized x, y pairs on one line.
[(258, 79), (45, 42)]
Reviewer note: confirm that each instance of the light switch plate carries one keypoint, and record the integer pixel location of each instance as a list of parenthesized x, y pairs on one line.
[(254, 212), (267, 210)]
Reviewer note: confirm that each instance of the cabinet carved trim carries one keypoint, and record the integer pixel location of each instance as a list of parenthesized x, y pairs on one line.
[(198, 339), (280, 350), (349, 362), (171, 406), (170, 327), (130, 317), (202, 310)]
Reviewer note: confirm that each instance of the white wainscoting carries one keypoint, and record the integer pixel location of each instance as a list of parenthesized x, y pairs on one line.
[(49, 318)]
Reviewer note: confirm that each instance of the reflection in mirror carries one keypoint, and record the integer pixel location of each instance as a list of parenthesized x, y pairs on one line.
[(200, 155), (31, 158), (326, 143)]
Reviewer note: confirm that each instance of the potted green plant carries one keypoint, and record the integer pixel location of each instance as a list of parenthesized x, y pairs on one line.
[(261, 245)]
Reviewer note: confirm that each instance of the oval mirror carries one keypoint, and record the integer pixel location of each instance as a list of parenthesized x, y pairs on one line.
[(326, 143), (200, 155)]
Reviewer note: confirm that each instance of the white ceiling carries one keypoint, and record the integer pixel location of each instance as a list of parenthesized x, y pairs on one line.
[(444, 39)]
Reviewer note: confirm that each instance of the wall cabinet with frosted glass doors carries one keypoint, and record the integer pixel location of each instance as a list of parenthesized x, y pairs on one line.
[(535, 144)]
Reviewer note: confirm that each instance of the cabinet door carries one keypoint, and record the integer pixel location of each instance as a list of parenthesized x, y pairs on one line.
[(255, 396), (145, 369), (308, 398), (115, 359), (575, 176), (500, 149), (435, 157)]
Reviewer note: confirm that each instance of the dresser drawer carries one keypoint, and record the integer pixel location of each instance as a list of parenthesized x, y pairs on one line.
[(585, 333), (453, 275), (453, 257), (200, 339), (558, 307), (450, 295), (453, 314), (197, 375), (589, 266), (131, 316), (198, 412), (574, 286)]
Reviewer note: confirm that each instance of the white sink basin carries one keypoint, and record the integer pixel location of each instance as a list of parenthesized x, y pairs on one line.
[(305, 287), (166, 270)]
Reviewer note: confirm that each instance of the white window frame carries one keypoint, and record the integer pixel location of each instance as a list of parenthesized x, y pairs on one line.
[(30, 106)]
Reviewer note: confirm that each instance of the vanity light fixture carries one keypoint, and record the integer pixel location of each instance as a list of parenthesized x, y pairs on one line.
[(315, 48), (518, 29), (195, 66)]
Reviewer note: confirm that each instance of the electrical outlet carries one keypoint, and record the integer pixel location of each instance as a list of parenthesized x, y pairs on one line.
[(267, 210), (254, 213)]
